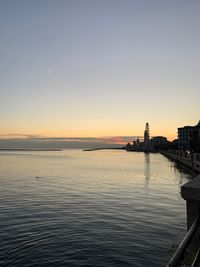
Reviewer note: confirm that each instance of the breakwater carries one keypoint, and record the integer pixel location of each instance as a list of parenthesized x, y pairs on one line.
[(104, 148)]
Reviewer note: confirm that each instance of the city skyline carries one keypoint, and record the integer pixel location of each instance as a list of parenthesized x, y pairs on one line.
[(98, 68)]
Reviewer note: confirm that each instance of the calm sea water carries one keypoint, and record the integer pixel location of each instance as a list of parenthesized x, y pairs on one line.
[(100, 208)]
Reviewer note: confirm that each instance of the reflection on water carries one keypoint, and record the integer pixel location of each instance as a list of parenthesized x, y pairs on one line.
[(89, 208), (147, 171)]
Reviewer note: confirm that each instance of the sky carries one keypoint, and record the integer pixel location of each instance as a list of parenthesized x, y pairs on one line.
[(98, 68)]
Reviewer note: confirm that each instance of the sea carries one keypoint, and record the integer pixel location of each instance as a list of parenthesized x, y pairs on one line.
[(96, 208)]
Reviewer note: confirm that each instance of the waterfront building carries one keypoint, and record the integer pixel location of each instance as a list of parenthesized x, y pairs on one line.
[(146, 146), (189, 138), (128, 147), (159, 142), (195, 139), (174, 145), (146, 134), (149, 145)]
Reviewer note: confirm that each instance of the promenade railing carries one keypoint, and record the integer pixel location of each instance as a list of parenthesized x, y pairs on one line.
[(178, 256), (188, 252)]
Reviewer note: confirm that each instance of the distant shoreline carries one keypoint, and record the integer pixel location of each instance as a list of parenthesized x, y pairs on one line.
[(30, 149)]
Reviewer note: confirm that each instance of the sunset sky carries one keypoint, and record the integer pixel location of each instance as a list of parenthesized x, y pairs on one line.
[(96, 68)]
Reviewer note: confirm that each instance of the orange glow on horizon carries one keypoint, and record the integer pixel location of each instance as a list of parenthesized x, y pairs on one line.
[(117, 137)]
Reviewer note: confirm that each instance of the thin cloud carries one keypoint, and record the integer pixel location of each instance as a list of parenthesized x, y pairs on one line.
[(18, 135), (105, 139)]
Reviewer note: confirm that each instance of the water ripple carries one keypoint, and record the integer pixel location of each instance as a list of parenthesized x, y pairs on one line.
[(102, 208)]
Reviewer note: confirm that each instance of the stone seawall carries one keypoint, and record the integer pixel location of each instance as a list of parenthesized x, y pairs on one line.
[(192, 164)]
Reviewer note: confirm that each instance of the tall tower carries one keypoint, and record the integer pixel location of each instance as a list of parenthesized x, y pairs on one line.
[(146, 134)]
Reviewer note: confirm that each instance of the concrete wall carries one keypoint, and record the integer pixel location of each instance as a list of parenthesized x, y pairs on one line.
[(191, 193)]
